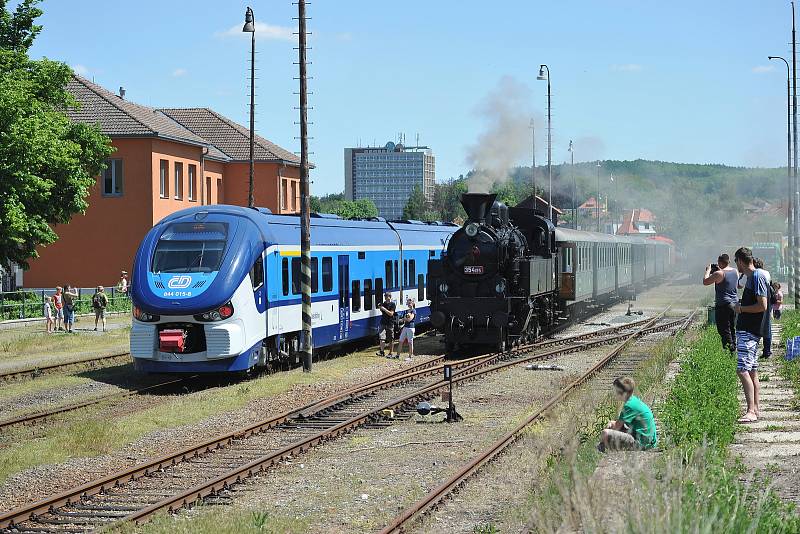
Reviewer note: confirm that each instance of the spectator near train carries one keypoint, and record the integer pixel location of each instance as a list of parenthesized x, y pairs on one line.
[(122, 285), (99, 305), (407, 333), (69, 307), (724, 278), (750, 327), (635, 428), (386, 326), (58, 305), (48, 314), (777, 307), (758, 263)]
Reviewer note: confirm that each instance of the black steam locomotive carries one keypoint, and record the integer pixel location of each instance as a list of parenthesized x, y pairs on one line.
[(496, 284)]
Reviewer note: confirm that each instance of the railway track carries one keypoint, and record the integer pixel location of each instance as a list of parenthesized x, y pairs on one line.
[(194, 473), (608, 365), (36, 371)]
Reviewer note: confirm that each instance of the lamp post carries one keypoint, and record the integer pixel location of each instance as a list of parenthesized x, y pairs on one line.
[(543, 76), (597, 200), (790, 211), (250, 27), (533, 158), (574, 186)]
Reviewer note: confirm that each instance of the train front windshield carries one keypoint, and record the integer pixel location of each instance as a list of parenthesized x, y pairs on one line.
[(190, 248)]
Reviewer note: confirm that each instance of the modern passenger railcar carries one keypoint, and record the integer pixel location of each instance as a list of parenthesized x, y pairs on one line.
[(217, 288)]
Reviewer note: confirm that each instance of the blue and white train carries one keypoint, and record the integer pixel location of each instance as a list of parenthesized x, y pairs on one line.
[(217, 288)]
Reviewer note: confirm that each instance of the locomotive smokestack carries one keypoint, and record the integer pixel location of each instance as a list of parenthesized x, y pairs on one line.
[(477, 205)]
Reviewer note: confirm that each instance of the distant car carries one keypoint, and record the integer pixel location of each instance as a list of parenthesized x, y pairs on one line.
[(216, 289)]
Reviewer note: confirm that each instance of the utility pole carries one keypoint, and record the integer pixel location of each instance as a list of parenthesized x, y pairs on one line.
[(597, 200), (574, 186), (533, 157), (789, 174), (306, 345), (542, 76), (793, 244)]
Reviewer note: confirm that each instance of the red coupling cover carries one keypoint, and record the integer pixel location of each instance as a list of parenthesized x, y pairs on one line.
[(172, 340)]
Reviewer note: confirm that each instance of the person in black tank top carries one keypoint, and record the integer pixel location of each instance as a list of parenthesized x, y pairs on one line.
[(724, 278)]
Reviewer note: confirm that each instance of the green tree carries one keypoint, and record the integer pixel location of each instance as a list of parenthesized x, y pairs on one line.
[(47, 163), (417, 206)]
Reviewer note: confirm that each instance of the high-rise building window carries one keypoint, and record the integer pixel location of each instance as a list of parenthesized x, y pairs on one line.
[(112, 178)]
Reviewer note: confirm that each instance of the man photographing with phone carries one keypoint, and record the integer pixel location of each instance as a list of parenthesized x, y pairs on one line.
[(724, 277)]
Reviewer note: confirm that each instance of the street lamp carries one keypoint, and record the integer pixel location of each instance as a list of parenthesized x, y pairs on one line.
[(574, 186), (250, 27), (543, 76), (533, 157), (597, 200), (790, 211)]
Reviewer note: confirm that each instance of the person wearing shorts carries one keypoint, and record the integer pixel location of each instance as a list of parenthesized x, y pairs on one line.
[(386, 326), (99, 304), (69, 307), (58, 307), (48, 314), (751, 323), (407, 333), (635, 427)]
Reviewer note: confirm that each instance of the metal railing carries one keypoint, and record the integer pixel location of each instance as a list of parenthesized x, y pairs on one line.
[(29, 304)]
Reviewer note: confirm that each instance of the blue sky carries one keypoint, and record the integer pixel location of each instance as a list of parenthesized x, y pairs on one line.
[(682, 81)]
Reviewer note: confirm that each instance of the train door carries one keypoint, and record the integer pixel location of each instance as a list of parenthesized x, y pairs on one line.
[(344, 297)]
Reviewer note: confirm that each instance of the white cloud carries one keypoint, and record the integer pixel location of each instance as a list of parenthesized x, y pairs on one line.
[(82, 70), (179, 72), (263, 31), (627, 67), (760, 69)]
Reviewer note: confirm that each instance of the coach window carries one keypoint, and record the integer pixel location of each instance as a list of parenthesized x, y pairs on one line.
[(257, 273), (412, 270), (285, 275), (315, 275), (367, 294), (295, 276), (362, 255), (396, 278), (420, 288), (405, 273), (378, 292), (388, 274), (356, 300), (327, 274)]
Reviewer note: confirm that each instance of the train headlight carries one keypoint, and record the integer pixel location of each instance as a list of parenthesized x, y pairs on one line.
[(143, 316), (220, 314), (471, 230), (500, 287), (443, 287)]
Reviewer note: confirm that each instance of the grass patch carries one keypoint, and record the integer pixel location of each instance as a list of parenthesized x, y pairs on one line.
[(85, 434), (790, 370)]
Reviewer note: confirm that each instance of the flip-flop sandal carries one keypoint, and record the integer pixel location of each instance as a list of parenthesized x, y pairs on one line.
[(745, 420)]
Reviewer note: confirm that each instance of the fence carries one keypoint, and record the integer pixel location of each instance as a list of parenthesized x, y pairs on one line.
[(29, 303)]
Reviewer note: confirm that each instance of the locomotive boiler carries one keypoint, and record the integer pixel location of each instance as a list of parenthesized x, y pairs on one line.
[(496, 282)]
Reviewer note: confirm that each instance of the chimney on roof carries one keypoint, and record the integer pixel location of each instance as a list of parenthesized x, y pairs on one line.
[(122, 92)]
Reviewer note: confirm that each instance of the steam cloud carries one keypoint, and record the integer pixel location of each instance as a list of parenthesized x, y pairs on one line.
[(506, 138)]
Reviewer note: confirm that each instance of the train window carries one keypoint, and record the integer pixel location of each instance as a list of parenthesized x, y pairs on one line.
[(257, 273), (368, 294), (327, 273), (420, 287), (295, 276), (431, 253), (362, 255), (315, 275), (356, 297), (405, 273), (388, 273), (285, 275), (378, 291), (396, 278), (412, 270)]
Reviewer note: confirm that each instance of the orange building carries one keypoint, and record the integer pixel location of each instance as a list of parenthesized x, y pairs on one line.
[(164, 160)]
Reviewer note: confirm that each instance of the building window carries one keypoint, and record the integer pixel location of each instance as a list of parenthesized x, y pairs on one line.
[(178, 181), (164, 179), (220, 192), (193, 182), (112, 178), (284, 193), (208, 190), (295, 276)]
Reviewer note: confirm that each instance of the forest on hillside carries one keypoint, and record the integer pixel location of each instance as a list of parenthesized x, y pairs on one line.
[(693, 203)]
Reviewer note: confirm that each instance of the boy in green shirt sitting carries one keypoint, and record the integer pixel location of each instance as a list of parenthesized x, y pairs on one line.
[(635, 428)]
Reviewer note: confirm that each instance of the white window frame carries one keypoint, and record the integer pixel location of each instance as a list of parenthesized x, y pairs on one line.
[(111, 164), (178, 182), (163, 171), (192, 173)]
